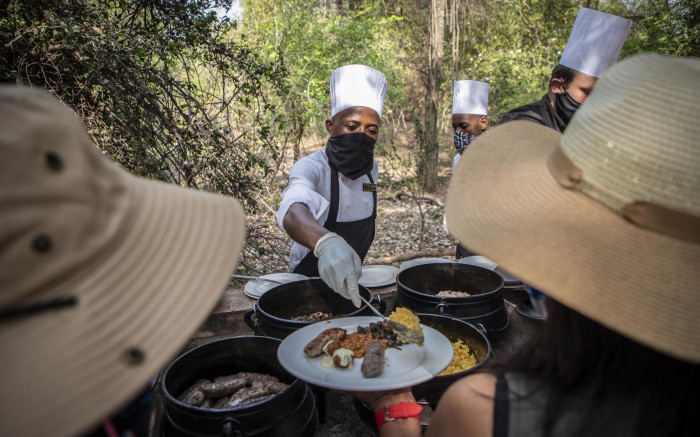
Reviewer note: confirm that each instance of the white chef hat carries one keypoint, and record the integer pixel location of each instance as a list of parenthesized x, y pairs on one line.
[(595, 41), (357, 85), (470, 97)]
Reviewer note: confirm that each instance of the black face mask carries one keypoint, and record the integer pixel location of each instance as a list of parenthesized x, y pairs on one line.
[(351, 154), (566, 106)]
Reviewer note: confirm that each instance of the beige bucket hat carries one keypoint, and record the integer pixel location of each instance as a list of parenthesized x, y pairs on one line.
[(124, 268), (606, 217)]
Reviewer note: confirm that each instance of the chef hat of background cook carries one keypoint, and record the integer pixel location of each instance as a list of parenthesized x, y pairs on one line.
[(357, 85), (595, 41), (104, 276), (470, 97), (604, 218)]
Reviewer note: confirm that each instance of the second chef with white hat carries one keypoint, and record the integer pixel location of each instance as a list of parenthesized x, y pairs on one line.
[(594, 44), (470, 107), (330, 205)]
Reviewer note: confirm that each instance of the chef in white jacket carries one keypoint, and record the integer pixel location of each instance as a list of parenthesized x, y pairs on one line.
[(330, 205), (470, 104)]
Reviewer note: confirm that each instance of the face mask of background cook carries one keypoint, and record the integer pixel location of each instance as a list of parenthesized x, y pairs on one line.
[(566, 106), (462, 140)]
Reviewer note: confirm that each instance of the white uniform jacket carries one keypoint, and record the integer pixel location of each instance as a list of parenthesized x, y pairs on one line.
[(309, 183)]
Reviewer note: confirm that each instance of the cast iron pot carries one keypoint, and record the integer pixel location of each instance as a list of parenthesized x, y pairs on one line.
[(292, 412), (432, 390), (417, 287), (453, 329), (275, 309)]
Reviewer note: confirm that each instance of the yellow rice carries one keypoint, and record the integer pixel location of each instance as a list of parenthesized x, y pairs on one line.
[(462, 359), (406, 318)]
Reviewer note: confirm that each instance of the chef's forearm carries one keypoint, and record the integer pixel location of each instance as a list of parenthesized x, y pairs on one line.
[(302, 227)]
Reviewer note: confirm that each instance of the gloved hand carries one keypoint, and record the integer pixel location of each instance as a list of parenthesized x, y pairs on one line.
[(339, 266)]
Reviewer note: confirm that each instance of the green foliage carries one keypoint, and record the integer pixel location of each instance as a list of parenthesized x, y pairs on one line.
[(670, 28), (172, 92), (314, 40), (160, 85)]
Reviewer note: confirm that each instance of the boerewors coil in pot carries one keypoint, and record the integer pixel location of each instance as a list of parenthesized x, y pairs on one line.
[(291, 412)]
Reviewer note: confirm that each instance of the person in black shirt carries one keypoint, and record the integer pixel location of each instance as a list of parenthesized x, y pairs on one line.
[(594, 45)]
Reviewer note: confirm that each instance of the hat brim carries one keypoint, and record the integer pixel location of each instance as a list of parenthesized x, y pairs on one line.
[(67, 369), (504, 203)]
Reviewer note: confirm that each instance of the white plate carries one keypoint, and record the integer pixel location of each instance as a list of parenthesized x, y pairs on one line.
[(378, 276), (257, 288), (402, 368), (479, 261), (419, 261)]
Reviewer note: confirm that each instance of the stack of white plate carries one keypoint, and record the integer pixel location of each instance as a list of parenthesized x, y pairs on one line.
[(375, 276), (419, 261), (258, 287)]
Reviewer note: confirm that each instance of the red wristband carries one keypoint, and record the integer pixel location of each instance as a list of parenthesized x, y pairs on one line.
[(402, 410)]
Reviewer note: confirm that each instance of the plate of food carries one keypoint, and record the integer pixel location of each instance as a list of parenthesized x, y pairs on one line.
[(258, 287), (378, 276), (379, 366)]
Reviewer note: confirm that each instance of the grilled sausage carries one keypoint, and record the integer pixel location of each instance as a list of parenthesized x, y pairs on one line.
[(250, 377), (226, 388), (314, 348), (274, 387), (193, 396), (220, 404), (247, 395), (373, 362), (331, 347)]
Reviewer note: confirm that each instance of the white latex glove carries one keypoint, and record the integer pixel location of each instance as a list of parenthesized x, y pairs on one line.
[(339, 266)]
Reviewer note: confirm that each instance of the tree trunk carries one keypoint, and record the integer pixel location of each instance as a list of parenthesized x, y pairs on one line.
[(428, 166)]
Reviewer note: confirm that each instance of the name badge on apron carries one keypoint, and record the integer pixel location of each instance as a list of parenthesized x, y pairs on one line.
[(369, 187)]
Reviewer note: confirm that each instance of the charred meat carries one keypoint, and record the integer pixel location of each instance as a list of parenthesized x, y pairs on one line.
[(373, 362)]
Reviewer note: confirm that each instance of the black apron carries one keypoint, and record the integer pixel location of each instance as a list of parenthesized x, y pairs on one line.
[(359, 234)]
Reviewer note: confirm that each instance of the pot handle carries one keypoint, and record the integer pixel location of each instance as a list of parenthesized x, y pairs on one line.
[(381, 303), (442, 309), (231, 428), (248, 318)]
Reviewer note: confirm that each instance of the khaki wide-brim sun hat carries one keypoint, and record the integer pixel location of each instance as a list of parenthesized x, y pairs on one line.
[(143, 261), (606, 217)]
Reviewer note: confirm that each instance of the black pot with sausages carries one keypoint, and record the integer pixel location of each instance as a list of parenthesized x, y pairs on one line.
[(432, 390), (289, 412), (417, 288), (273, 313)]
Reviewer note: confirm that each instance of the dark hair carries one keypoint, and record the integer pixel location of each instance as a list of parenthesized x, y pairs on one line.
[(566, 74), (578, 358)]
